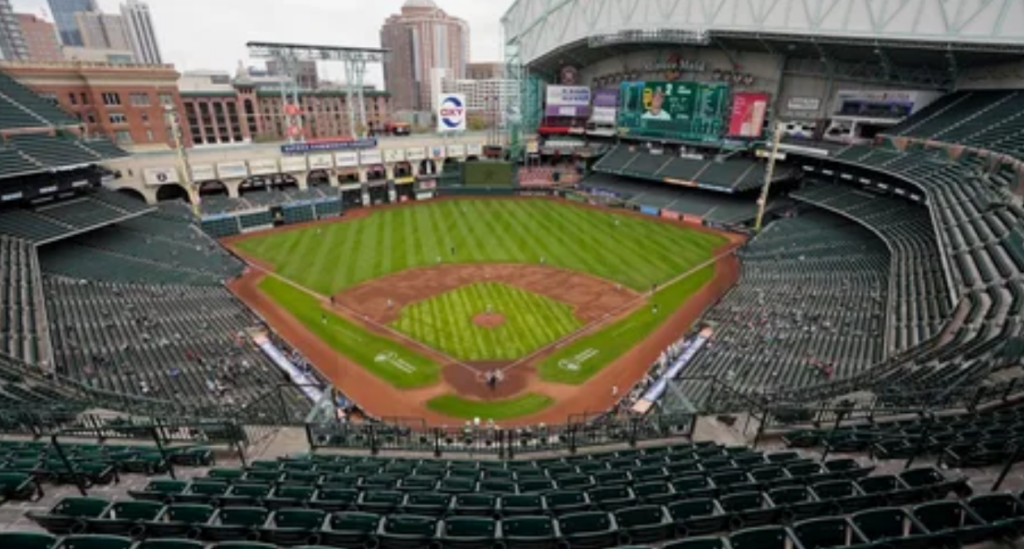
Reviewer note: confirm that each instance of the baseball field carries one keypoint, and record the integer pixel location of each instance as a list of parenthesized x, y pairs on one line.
[(429, 298)]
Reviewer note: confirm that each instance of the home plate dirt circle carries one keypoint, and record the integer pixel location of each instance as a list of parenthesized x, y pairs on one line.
[(489, 320)]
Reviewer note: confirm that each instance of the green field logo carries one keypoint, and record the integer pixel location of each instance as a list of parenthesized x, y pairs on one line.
[(573, 364)]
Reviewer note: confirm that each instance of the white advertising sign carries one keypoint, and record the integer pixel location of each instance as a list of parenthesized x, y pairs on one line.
[(159, 176), (293, 164), (474, 149), (203, 172), (456, 151), (393, 155), (568, 96), (263, 166), (371, 156), (346, 159), (415, 154), (451, 112), (228, 170), (321, 161)]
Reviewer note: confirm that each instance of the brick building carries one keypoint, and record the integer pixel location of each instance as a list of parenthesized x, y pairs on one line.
[(123, 102), (41, 39)]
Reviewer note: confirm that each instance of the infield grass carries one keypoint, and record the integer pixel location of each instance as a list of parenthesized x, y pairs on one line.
[(510, 408), (445, 322), (388, 360), (580, 360), (634, 251)]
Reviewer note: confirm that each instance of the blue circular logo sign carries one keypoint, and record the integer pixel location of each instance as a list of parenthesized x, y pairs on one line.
[(452, 113)]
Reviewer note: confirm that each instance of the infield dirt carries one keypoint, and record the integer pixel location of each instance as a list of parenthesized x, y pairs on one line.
[(593, 299)]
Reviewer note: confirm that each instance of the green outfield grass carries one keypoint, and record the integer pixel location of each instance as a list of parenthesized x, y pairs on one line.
[(390, 361), (445, 322), (634, 251), (458, 407), (580, 360)]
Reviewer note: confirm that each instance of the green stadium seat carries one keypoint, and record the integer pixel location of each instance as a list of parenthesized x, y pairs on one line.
[(27, 540), (406, 532), (258, 476), (334, 498), (657, 492), (698, 543), (162, 490), (426, 504), (125, 518), (19, 487), (201, 491), (288, 527), (351, 529), (566, 501), (886, 490), (469, 533), (645, 523), (289, 496), (169, 544), (612, 497), (697, 517), (842, 496), (891, 528), (70, 515), (694, 486), (826, 533), (796, 503), (529, 532), (950, 520), (1004, 514), (243, 545), (379, 501), (589, 530), (180, 520), (771, 476), (475, 504), (226, 474), (497, 486), (241, 495), (235, 524), (746, 509), (95, 542), (536, 485), (767, 537), (930, 482)]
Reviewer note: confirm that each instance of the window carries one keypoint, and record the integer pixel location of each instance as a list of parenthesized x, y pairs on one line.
[(166, 98), (149, 135), (73, 98), (118, 118), (111, 98), (123, 137), (85, 98), (145, 118), (91, 119), (139, 99)]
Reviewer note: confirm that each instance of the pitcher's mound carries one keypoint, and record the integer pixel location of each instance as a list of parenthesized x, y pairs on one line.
[(489, 320)]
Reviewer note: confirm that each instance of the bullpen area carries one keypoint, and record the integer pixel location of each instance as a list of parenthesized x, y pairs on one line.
[(412, 309)]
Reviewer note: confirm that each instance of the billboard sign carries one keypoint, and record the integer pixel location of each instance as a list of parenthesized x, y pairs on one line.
[(369, 158), (159, 176), (293, 164), (203, 172), (346, 159), (606, 97), (748, 113), (415, 154), (321, 161), (330, 145), (568, 96), (451, 113), (803, 104), (684, 111), (264, 166)]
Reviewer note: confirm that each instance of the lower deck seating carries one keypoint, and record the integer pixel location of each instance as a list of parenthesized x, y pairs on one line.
[(22, 312), (810, 304)]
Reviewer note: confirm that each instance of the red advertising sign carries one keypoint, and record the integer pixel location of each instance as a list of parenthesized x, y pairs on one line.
[(669, 214), (748, 112)]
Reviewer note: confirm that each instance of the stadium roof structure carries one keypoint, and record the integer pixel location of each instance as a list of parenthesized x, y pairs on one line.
[(935, 36)]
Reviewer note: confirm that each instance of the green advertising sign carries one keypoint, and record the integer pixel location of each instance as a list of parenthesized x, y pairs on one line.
[(682, 111)]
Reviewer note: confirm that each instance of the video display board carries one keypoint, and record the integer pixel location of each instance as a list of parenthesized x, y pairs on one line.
[(748, 113), (683, 111)]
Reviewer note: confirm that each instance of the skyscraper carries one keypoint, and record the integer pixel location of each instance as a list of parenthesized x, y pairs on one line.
[(40, 37), (141, 34), (64, 15), (12, 40), (103, 31), (423, 39)]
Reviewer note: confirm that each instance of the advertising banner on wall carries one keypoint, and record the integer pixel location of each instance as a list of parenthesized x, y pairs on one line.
[(265, 166), (328, 145), (606, 97), (321, 161), (474, 149), (686, 111), (567, 96), (393, 155), (456, 151), (803, 104), (203, 172), (415, 154), (370, 157), (293, 164), (228, 170), (346, 159), (451, 112), (159, 176), (748, 112)]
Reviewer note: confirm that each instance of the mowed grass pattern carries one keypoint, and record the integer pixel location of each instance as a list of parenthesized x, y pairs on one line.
[(445, 322), (627, 249)]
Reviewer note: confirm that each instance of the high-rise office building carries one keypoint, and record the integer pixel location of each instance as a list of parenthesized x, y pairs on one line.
[(12, 40), (422, 38), (41, 38), (141, 34), (102, 31), (64, 16)]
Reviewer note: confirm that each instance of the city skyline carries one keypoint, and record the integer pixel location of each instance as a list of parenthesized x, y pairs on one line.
[(215, 42)]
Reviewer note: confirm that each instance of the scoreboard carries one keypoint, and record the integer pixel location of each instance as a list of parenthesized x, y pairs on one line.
[(680, 111)]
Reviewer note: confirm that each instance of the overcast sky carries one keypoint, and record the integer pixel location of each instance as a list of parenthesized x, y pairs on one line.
[(211, 34)]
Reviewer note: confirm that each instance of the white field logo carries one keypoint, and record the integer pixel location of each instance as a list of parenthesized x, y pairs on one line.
[(392, 358), (574, 363)]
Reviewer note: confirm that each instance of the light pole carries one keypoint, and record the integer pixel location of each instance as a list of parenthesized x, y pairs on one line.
[(183, 164)]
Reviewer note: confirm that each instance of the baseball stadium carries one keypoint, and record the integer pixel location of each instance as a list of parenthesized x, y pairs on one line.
[(719, 275)]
